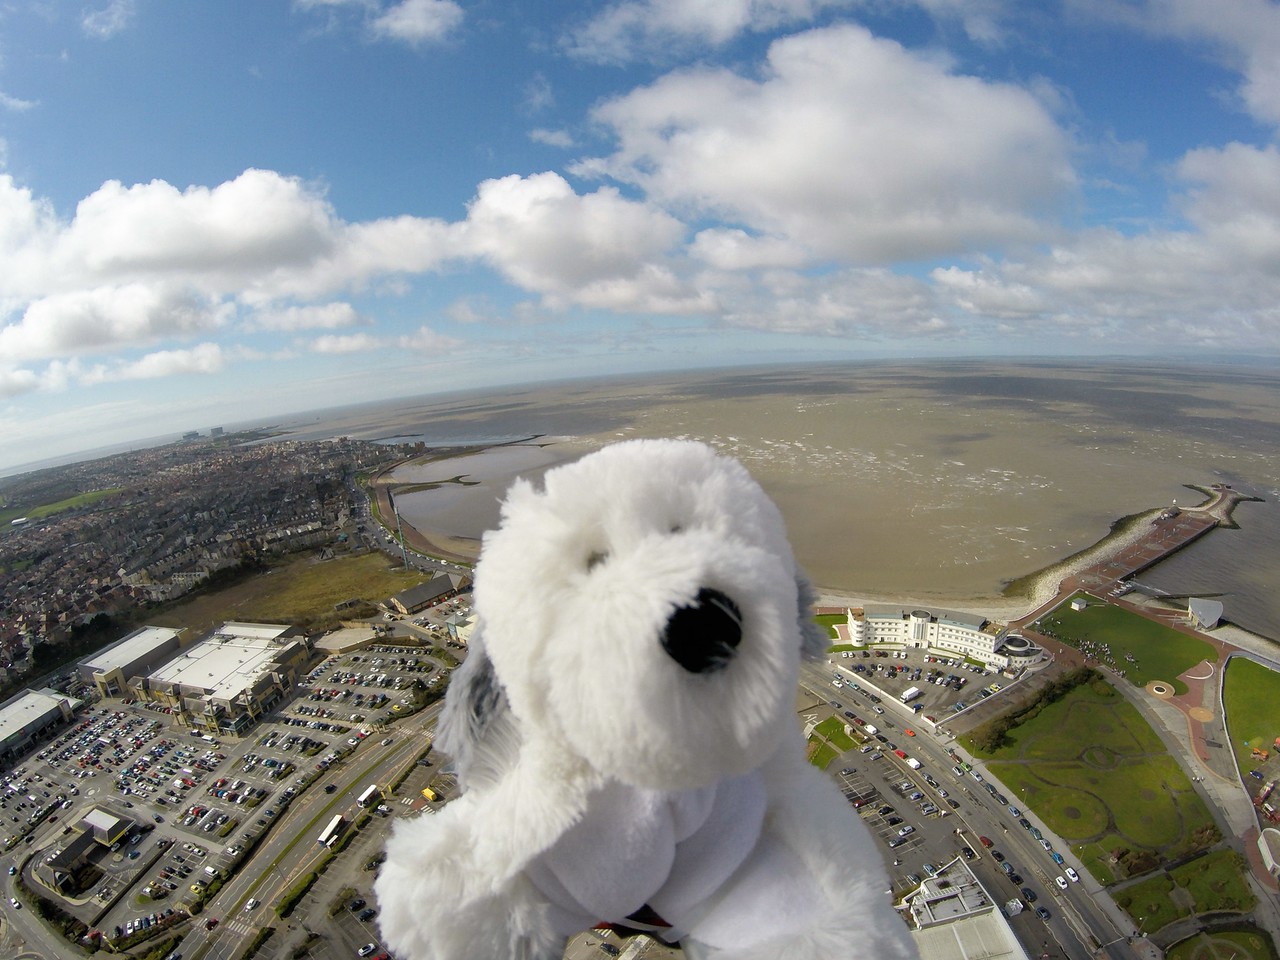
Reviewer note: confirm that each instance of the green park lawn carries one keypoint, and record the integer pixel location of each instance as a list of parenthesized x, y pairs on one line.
[(829, 621), (1093, 770), (822, 755), (1212, 883), (1159, 652), (1152, 904), (1244, 944), (1251, 697), (832, 729), (49, 509), (827, 741)]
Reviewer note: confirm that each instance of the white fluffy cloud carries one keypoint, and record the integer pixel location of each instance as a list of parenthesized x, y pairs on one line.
[(867, 303), (417, 21), (414, 22), (16, 104), (422, 340), (629, 29), (326, 316), (1216, 283), (426, 340), (598, 249), (204, 358), (733, 249), (138, 264), (346, 343), (636, 27), (86, 321), (850, 145), (552, 138), (105, 22), (1245, 35)]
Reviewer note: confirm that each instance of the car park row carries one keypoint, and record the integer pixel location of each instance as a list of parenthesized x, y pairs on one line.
[(210, 796)]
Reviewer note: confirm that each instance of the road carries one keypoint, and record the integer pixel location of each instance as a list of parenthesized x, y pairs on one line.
[(290, 851), (1083, 918), (22, 934)]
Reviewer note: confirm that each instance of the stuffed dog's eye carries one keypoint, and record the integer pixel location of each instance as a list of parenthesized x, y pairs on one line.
[(596, 558), (677, 528)]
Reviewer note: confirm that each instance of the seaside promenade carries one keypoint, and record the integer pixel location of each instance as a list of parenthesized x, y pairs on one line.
[(1194, 719), (1115, 560)]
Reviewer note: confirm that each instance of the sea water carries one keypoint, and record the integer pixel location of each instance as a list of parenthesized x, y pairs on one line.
[(939, 482)]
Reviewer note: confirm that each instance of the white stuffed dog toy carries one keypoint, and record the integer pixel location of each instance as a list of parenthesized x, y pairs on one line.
[(625, 734)]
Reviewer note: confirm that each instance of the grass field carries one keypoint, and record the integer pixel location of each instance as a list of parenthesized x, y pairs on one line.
[(1152, 904), (1251, 697), (49, 509), (1158, 652), (1209, 884), (822, 755), (1094, 771), (300, 590), (1248, 943), (1216, 882), (832, 729), (829, 620)]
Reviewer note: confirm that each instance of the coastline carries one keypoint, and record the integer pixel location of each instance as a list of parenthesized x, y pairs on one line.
[(1022, 599), (1044, 585)]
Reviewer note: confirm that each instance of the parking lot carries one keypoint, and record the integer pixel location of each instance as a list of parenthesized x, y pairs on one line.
[(197, 801), (923, 803), (945, 685)]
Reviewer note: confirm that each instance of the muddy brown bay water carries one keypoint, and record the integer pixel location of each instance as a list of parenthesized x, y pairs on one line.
[(939, 482)]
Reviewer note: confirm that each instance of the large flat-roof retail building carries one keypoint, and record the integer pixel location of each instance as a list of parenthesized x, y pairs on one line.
[(24, 717), (122, 666), (224, 684)]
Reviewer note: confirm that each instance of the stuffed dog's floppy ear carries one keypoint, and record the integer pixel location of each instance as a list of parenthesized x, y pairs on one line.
[(476, 727), (814, 640)]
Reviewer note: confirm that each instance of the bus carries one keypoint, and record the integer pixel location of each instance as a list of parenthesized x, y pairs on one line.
[(332, 831), (370, 792), (430, 794)]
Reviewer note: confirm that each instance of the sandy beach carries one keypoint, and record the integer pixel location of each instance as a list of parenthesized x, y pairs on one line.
[(1044, 588)]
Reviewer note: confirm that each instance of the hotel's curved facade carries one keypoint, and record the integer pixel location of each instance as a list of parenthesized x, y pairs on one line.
[(940, 632)]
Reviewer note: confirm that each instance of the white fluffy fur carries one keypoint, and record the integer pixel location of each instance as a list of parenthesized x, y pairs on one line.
[(569, 708)]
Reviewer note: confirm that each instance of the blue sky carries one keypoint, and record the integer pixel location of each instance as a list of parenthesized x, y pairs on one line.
[(212, 212)]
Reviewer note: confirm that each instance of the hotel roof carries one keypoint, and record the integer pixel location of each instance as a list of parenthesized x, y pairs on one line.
[(134, 647), (973, 621)]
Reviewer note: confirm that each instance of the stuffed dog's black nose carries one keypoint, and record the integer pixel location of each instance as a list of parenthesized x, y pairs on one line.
[(702, 637)]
